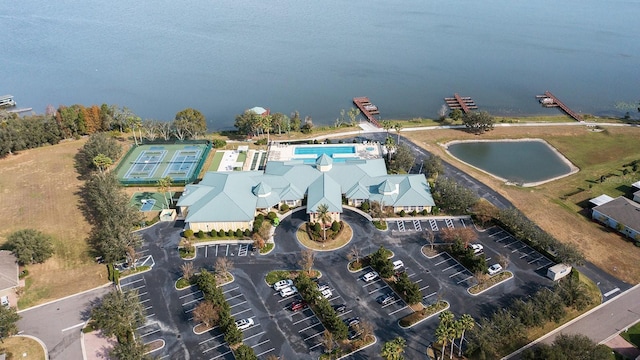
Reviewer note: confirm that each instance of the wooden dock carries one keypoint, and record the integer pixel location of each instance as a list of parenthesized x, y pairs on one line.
[(367, 109), (21, 110), (464, 103), (550, 100)]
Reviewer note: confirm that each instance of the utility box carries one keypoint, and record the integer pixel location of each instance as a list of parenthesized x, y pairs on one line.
[(557, 272)]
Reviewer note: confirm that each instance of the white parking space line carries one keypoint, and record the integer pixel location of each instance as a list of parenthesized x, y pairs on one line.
[(211, 338), (442, 262), (150, 315), (609, 293), (465, 279), (543, 266), (400, 225), (344, 313), (216, 250), (240, 303), (148, 307), (143, 301), (500, 240), (150, 333), (428, 296), (497, 232), (378, 289), (136, 288), (142, 294), (418, 281), (463, 224), (449, 223), (524, 255), (487, 259), (260, 343), (211, 348), (402, 308), (315, 346), (287, 298), (194, 300), (227, 253), (310, 326), (425, 287), (226, 291), (234, 297), (312, 336), (131, 282), (240, 312), (416, 225), (221, 355), (303, 319), (252, 336), (189, 294), (264, 352), (143, 326), (77, 325), (534, 260), (511, 243), (450, 267), (459, 272), (392, 303), (371, 283)]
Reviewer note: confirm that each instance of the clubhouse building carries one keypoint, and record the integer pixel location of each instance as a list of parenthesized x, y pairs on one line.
[(297, 175)]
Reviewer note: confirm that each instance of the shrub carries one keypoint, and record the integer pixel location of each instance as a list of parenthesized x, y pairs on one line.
[(30, 246), (365, 206), (220, 233), (335, 226), (229, 233), (262, 141), (219, 143), (272, 215), (188, 233), (284, 207), (200, 234), (317, 227), (239, 233), (414, 213), (425, 212), (247, 232), (213, 233), (402, 213)]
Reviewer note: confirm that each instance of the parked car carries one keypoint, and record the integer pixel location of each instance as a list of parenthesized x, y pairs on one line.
[(4, 300), (477, 248), (398, 264), (340, 308), (351, 322), (494, 269), (288, 291), (282, 284), (244, 324), (298, 305), (371, 275), (386, 299), (322, 287), (326, 293)]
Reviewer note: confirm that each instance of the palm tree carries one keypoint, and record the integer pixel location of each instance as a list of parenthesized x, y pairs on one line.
[(386, 125), (163, 185), (445, 330), (467, 323), (324, 217), (390, 145), (442, 335), (392, 350), (455, 330), (397, 127)]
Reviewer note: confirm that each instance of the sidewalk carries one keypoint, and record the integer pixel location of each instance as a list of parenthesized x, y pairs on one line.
[(96, 346)]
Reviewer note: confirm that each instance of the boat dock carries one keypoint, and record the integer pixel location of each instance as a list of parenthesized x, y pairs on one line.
[(367, 109), (550, 100), (464, 103), (7, 101), (18, 111)]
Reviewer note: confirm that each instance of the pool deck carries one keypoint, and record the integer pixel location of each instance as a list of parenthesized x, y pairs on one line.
[(286, 152)]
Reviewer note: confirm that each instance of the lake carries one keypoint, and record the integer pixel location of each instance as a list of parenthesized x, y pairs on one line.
[(525, 162), (223, 57)]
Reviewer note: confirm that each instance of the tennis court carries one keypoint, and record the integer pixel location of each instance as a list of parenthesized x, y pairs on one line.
[(150, 201), (147, 204), (146, 164)]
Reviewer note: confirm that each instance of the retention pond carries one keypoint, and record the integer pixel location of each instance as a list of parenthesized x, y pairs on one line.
[(525, 162)]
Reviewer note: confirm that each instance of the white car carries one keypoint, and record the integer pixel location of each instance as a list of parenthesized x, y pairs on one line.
[(326, 293), (244, 324), (282, 284), (494, 269), (371, 275), (398, 264), (288, 291), (5, 301), (477, 248)]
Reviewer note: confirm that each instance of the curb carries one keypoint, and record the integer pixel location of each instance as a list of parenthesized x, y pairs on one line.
[(66, 297), (492, 286), (425, 319), (44, 347)]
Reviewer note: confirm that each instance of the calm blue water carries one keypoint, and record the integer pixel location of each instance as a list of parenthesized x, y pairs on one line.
[(519, 162), (329, 150), (223, 57)]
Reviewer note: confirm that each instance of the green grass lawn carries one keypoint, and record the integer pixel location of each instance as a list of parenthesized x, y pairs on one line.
[(632, 335), (217, 159), (242, 157)]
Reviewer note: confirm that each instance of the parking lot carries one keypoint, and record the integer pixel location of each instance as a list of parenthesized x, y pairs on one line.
[(445, 266), (417, 225), (517, 252), (225, 250), (151, 329), (211, 343)]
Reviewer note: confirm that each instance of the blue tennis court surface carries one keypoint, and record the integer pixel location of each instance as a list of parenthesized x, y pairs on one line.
[(147, 204), (182, 164), (146, 164)]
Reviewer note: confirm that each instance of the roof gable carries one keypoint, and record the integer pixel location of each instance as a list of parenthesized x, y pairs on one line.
[(324, 190)]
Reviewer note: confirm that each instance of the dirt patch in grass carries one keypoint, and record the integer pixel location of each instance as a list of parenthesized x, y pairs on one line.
[(40, 190), (16, 346), (595, 153)]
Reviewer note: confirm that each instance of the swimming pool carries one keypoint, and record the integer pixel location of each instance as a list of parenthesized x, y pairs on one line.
[(319, 150)]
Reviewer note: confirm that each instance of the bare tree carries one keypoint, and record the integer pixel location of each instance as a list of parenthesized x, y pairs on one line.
[(480, 277), (465, 235), (503, 260), (327, 341), (222, 267), (354, 254), (150, 128), (367, 329), (187, 270), (258, 241), (429, 236), (132, 256), (306, 262), (164, 129), (206, 313)]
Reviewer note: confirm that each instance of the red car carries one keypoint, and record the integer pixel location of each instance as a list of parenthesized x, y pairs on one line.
[(298, 305)]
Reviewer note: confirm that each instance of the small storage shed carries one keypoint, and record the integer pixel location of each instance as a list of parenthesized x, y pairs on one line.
[(557, 272)]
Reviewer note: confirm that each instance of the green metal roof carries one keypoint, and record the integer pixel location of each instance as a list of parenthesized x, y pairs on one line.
[(324, 190)]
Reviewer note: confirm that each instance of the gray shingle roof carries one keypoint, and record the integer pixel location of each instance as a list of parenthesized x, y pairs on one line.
[(623, 211)]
